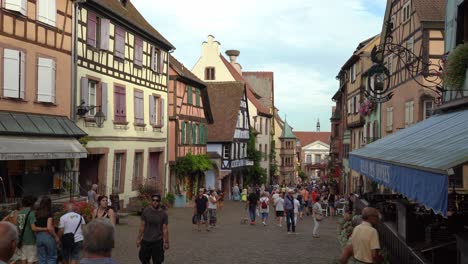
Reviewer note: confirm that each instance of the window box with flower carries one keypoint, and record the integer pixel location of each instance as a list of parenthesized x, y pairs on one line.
[(366, 107)]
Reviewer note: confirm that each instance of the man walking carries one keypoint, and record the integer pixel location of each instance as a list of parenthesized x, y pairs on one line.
[(364, 241), (153, 235), (252, 202), (98, 242), (201, 209), (289, 211), (71, 223)]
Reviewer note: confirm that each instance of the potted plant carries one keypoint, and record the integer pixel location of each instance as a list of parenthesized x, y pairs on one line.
[(454, 72), (366, 108)]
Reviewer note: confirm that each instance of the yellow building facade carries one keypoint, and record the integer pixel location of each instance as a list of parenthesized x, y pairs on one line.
[(121, 79)]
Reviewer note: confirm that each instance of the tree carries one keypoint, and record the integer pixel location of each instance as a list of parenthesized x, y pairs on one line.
[(255, 174), (193, 166), (273, 163)]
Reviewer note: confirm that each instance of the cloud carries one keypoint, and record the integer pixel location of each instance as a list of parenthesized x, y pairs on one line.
[(305, 42)]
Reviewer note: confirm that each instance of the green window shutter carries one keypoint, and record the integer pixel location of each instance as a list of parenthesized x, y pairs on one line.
[(200, 141), (203, 139), (194, 134), (198, 97), (189, 95), (182, 137)]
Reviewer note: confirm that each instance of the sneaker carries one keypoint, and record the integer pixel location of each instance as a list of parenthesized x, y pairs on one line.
[(264, 223), (280, 225)]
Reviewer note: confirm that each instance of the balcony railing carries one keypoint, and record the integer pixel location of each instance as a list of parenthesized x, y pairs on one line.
[(452, 95)]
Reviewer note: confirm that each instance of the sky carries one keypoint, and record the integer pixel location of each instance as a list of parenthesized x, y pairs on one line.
[(304, 42)]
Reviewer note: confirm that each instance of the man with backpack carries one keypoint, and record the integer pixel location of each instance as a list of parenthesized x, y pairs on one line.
[(72, 235), (264, 208)]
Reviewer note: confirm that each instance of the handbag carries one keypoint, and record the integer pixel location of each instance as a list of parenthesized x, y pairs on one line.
[(319, 217), (68, 239), (194, 219), (20, 242)]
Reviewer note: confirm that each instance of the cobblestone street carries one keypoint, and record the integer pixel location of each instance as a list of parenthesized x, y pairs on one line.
[(232, 242)]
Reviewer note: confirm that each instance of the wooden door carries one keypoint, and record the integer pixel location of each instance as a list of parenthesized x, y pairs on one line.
[(153, 169)]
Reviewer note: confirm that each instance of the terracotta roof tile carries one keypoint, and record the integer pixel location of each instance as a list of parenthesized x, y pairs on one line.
[(433, 10), (309, 137), (184, 71), (261, 109), (131, 15), (225, 98)]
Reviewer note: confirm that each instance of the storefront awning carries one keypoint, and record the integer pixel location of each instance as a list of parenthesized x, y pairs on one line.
[(417, 160), (38, 148)]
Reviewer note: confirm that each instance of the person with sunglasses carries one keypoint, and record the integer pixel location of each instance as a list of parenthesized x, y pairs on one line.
[(153, 235)]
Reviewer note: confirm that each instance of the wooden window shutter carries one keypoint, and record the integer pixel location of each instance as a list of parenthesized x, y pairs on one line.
[(119, 42), (138, 51), (189, 95), (161, 117), (91, 28), (411, 113), (104, 34), (52, 12), (45, 80), (152, 111), (138, 106), (117, 105), (84, 93), (123, 104), (120, 104), (104, 99), (197, 98), (12, 68), (161, 62), (43, 11), (194, 134), (182, 133), (153, 58)]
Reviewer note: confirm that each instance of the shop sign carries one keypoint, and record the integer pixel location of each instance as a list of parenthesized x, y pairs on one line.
[(375, 170), (41, 156)]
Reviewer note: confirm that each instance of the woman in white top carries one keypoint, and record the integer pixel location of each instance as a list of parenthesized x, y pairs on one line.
[(317, 214), (297, 204), (212, 206), (264, 207), (279, 206)]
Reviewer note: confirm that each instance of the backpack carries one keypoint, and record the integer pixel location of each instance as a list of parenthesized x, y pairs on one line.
[(264, 204)]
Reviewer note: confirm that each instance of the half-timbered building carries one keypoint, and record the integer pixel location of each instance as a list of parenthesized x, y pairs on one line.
[(122, 75), (39, 146), (229, 134), (189, 114)]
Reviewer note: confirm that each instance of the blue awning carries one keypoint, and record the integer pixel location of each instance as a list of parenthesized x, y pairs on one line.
[(427, 188), (416, 161)]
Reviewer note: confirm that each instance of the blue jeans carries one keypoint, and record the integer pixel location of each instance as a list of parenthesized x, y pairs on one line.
[(290, 220), (252, 213), (46, 248)]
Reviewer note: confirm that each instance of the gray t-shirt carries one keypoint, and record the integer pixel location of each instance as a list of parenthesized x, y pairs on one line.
[(154, 221)]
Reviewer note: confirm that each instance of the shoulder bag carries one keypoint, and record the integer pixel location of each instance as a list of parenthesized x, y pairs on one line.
[(68, 239), (20, 242)]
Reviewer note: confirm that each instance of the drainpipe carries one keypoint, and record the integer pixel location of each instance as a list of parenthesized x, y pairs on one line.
[(73, 63), (168, 173)]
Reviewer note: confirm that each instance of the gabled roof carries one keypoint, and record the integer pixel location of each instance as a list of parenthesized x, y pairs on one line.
[(225, 99), (261, 109), (184, 71), (433, 10), (306, 137), (131, 16), (262, 84), (191, 79)]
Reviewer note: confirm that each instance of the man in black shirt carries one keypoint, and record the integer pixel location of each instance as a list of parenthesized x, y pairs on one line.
[(252, 202), (201, 209)]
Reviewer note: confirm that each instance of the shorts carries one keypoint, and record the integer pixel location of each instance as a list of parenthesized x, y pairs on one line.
[(74, 252), (151, 250), (279, 213), (28, 253), (202, 215), (331, 205)]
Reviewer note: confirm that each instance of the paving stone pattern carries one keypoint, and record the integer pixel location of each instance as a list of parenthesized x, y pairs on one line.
[(233, 242)]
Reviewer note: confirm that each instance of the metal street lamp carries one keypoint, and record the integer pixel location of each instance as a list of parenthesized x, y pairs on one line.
[(83, 109)]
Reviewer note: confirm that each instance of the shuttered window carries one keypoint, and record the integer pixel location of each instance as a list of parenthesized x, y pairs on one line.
[(157, 111), (119, 50), (189, 95), (16, 5), (91, 29), (92, 96), (120, 112), (194, 134), (157, 60), (13, 73), (46, 80), (139, 112), (409, 113), (138, 51), (47, 11), (210, 73)]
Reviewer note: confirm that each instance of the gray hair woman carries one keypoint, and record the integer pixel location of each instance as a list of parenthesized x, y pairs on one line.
[(92, 195)]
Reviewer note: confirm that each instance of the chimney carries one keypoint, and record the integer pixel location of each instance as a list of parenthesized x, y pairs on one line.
[(233, 54)]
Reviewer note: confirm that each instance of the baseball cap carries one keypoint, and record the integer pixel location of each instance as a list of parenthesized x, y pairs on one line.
[(156, 195)]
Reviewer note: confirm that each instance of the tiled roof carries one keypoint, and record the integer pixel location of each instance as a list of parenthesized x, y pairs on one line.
[(433, 10), (225, 98), (261, 109), (262, 84), (309, 137), (184, 71), (287, 131), (131, 15)]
